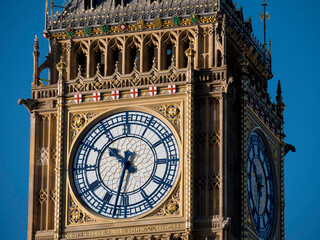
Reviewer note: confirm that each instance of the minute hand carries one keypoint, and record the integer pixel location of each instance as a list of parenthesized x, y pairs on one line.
[(119, 188), (125, 165)]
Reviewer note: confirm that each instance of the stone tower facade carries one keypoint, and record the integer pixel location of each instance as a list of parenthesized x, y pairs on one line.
[(192, 65)]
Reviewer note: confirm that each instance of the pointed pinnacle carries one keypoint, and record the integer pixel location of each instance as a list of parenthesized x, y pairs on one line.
[(279, 92)]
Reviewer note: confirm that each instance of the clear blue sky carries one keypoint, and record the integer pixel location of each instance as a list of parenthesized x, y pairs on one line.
[(294, 30)]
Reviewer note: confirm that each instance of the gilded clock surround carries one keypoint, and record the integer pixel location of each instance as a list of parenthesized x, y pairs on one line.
[(210, 89), (170, 204)]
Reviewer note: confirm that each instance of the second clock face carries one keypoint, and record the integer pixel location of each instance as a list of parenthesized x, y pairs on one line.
[(126, 164), (260, 186)]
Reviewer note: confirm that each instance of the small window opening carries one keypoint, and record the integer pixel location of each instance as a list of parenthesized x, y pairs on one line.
[(82, 61), (151, 52), (100, 60), (94, 4), (126, 2), (133, 56), (185, 58), (114, 57), (87, 4), (219, 59), (169, 53)]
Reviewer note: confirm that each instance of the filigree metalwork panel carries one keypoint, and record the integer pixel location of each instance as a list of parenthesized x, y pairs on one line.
[(171, 207), (78, 121), (172, 112), (76, 215)]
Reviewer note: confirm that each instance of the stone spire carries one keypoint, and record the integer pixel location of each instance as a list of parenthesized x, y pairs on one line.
[(280, 105), (36, 55)]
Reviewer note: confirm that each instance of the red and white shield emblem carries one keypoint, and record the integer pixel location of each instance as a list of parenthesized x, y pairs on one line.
[(134, 92), (115, 94), (172, 89), (153, 91), (78, 98), (96, 96)]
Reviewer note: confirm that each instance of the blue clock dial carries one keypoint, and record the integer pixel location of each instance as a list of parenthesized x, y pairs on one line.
[(260, 186), (126, 164)]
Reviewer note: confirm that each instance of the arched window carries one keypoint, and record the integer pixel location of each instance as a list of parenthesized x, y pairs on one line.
[(168, 50), (133, 55), (183, 57), (98, 57), (150, 53), (80, 62), (114, 57)]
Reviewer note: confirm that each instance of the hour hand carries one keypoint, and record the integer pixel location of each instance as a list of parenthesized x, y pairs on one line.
[(113, 152), (127, 155)]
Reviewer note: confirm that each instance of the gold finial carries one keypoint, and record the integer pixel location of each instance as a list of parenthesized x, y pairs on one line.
[(61, 66), (264, 17), (190, 51), (47, 8)]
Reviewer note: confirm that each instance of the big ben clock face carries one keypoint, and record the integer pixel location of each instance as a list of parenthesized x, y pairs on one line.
[(260, 186), (126, 164)]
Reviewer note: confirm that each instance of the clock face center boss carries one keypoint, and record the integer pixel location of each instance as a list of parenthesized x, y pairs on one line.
[(125, 165)]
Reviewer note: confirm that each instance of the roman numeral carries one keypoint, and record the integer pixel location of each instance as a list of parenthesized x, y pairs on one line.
[(126, 126), (173, 160), (147, 127), (93, 186), (125, 200), (107, 197), (157, 143), (157, 180), (145, 196), (91, 167), (107, 132), (162, 161), (91, 147)]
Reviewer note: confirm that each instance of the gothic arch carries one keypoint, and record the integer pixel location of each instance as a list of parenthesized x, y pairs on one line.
[(150, 51), (80, 58), (114, 55), (186, 38), (132, 53), (168, 49), (98, 57)]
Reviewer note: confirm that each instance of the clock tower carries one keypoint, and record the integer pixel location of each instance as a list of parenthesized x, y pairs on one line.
[(154, 123)]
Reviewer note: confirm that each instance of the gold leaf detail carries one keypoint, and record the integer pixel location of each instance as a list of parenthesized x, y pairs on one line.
[(76, 215), (171, 112), (171, 207), (78, 121)]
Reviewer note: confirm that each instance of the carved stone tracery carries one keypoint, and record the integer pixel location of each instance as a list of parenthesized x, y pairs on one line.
[(171, 207), (78, 121), (172, 112), (76, 215), (43, 156)]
